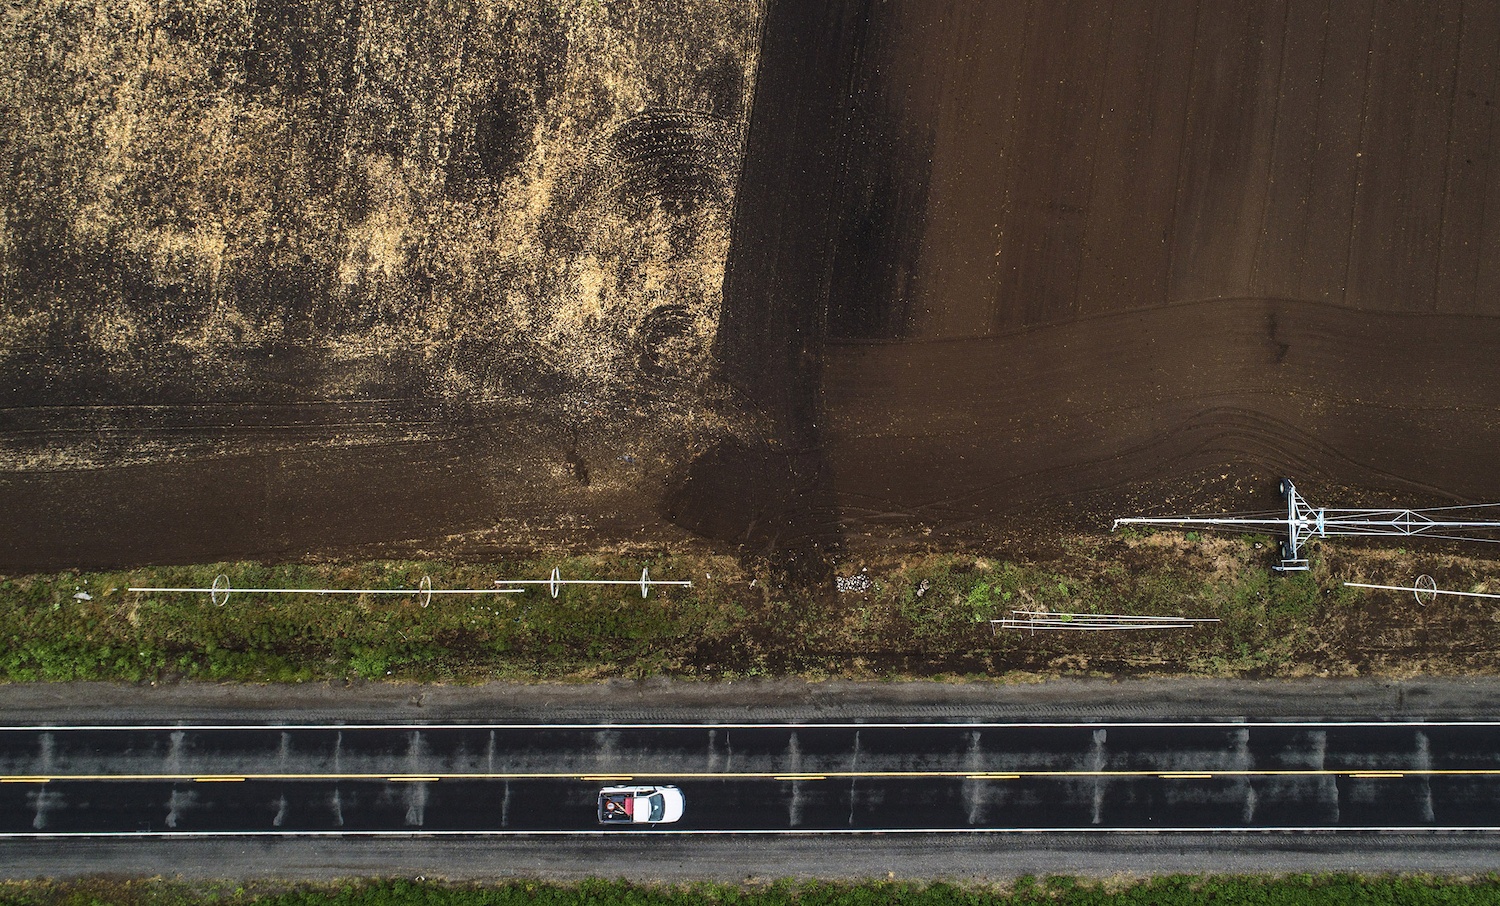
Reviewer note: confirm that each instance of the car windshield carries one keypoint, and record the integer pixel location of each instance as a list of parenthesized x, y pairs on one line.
[(658, 806)]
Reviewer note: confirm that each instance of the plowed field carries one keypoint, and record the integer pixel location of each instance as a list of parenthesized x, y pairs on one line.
[(802, 279), (1094, 258)]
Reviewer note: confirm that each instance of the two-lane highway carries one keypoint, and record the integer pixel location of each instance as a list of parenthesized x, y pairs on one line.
[(787, 778)]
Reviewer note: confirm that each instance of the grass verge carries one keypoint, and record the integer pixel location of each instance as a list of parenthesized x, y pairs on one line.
[(1302, 890), (925, 616)]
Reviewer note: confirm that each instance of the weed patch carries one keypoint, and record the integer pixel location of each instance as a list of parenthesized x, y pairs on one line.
[(925, 617)]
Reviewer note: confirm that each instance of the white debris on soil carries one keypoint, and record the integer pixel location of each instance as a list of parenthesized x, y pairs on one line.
[(859, 582)]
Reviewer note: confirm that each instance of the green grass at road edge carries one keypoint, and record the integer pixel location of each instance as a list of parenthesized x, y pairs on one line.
[(924, 616)]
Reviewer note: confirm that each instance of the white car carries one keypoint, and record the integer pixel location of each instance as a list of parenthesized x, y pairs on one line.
[(640, 804)]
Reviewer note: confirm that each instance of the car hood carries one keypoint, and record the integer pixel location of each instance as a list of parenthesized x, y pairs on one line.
[(674, 804)]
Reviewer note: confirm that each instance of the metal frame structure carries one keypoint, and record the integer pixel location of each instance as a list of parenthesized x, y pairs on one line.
[(1091, 622), (1302, 521)]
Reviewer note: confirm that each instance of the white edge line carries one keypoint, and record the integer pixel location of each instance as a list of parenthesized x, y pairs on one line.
[(924, 725), (166, 835)]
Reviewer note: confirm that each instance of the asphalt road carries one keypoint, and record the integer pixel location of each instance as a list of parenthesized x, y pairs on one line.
[(752, 778), (1288, 753)]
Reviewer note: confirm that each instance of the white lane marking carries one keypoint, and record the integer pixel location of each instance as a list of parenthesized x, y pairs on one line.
[(414, 835), (1224, 724)]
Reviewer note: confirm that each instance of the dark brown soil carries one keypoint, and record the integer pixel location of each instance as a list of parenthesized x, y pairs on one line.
[(990, 272), (1152, 256)]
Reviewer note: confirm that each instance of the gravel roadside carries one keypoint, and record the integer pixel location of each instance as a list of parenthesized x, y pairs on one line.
[(771, 700)]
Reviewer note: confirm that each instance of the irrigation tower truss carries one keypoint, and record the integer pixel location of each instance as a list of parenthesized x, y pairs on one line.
[(1301, 521)]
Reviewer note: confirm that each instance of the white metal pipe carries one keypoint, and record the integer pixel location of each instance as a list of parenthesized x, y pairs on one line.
[(341, 591), (1303, 521), (1425, 591), (1028, 624), (1110, 616), (554, 585)]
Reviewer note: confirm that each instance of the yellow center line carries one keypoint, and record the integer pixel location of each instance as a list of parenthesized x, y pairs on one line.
[(1185, 776), (411, 779), (218, 780), (754, 775)]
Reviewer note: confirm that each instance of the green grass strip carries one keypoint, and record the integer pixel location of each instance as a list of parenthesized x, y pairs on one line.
[(924, 617)]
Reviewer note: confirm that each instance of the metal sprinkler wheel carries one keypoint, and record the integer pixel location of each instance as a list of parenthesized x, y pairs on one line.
[(1425, 590), (219, 593), (424, 590)]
